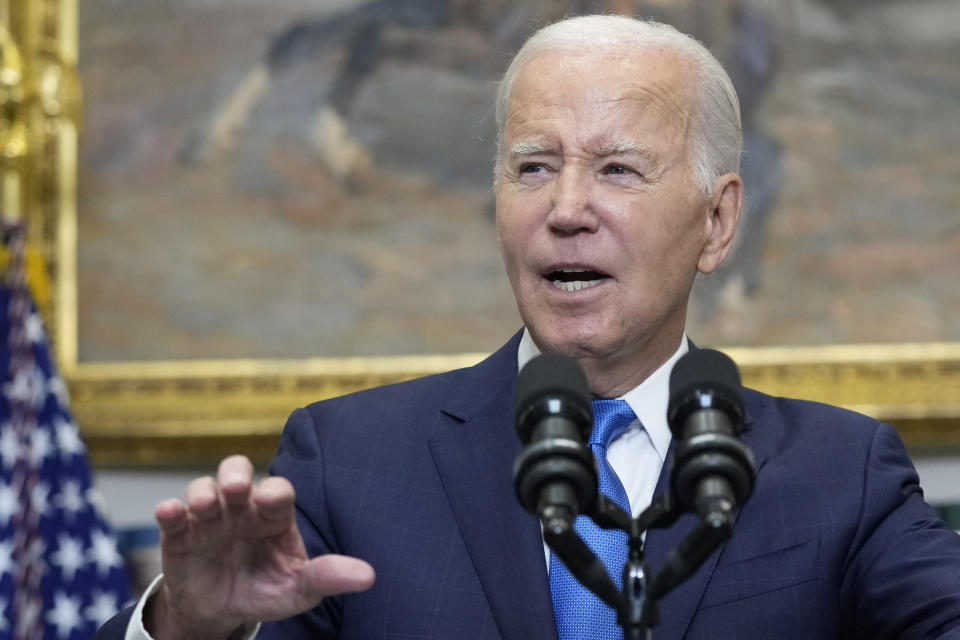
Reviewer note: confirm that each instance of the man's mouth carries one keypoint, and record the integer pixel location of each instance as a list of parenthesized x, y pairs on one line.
[(575, 278)]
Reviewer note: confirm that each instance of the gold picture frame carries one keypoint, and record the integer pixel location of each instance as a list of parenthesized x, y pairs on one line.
[(190, 413)]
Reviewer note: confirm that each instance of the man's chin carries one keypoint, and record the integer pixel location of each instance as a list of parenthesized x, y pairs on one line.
[(573, 342)]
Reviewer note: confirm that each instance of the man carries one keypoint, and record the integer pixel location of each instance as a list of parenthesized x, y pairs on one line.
[(616, 183)]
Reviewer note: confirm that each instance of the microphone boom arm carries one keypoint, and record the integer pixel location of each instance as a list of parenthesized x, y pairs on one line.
[(636, 604), (693, 550), (580, 560)]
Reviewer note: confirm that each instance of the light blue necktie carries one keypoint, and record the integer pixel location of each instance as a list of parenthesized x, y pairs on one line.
[(580, 614)]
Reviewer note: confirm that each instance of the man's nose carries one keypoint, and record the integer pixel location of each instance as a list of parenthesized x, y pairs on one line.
[(572, 208)]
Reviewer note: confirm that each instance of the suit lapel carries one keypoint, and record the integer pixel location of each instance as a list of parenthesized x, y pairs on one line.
[(678, 606), (474, 458)]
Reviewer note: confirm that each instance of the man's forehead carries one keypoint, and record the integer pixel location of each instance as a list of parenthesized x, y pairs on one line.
[(603, 81), (640, 61), (596, 111)]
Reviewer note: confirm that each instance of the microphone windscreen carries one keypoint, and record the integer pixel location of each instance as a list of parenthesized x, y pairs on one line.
[(704, 366), (550, 375), (704, 372)]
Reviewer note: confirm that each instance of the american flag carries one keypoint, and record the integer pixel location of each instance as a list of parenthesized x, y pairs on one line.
[(61, 576)]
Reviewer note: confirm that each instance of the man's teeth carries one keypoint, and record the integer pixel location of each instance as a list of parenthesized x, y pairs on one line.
[(575, 285)]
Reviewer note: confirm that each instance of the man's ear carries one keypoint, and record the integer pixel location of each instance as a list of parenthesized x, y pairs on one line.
[(722, 218)]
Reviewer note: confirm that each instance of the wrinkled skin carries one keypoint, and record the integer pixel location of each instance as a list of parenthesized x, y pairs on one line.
[(595, 175), (232, 554)]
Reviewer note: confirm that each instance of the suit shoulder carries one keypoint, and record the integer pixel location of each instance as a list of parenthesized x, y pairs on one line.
[(459, 392), (419, 392), (356, 421), (414, 405), (808, 418)]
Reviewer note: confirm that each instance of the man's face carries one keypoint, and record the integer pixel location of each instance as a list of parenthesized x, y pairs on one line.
[(601, 226)]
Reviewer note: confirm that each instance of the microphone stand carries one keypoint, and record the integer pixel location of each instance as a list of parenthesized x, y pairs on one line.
[(636, 604), (711, 473)]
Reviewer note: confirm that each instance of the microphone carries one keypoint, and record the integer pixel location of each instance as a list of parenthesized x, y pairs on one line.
[(713, 472), (555, 476)]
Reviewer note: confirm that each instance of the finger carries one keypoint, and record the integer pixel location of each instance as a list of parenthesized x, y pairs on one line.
[(171, 516), (332, 574), (203, 498), (274, 498), (235, 476)]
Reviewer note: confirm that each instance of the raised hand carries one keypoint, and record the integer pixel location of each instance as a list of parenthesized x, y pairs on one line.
[(232, 555)]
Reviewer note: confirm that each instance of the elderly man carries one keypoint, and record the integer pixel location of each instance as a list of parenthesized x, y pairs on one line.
[(616, 182)]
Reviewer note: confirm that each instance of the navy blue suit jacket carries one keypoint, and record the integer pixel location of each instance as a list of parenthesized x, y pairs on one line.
[(416, 478)]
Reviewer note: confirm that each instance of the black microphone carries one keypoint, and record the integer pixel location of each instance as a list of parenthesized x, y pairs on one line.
[(555, 476), (713, 471)]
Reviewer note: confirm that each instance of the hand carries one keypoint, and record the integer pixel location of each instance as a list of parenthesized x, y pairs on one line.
[(233, 555)]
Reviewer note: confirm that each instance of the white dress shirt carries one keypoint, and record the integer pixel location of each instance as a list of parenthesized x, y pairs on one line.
[(636, 455)]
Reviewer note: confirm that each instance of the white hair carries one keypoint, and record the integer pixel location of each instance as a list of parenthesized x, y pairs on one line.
[(716, 137)]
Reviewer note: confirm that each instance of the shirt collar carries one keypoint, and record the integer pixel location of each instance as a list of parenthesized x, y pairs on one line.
[(648, 399)]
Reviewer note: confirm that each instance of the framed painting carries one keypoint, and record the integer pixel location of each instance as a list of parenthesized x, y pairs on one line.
[(269, 205)]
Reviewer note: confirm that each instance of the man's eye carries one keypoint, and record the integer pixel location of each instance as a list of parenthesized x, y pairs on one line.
[(531, 167), (616, 169)]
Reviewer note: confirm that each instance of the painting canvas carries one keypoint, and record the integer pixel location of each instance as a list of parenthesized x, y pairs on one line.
[(313, 178)]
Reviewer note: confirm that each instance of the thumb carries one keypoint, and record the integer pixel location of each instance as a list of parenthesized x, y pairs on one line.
[(331, 574)]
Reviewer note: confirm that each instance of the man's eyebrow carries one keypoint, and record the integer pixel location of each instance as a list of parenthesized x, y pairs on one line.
[(621, 147), (526, 149), (626, 147)]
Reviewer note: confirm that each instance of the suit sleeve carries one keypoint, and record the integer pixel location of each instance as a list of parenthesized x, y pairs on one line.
[(300, 460), (116, 627), (128, 624), (901, 578)]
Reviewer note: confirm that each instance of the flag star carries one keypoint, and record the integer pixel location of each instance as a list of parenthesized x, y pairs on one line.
[(8, 503), (103, 607), (103, 552), (34, 328), (96, 500), (41, 446), (70, 499), (69, 557), (6, 562), (9, 445), (28, 386), (58, 387), (68, 438), (65, 615), (39, 498)]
